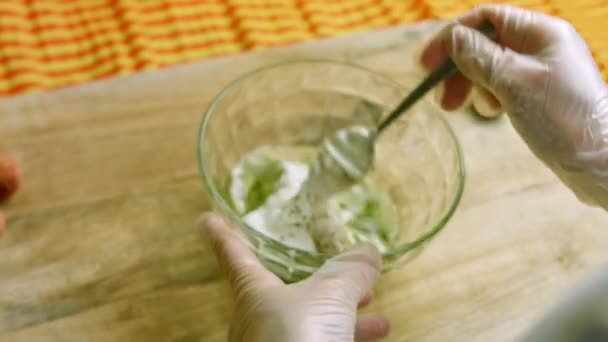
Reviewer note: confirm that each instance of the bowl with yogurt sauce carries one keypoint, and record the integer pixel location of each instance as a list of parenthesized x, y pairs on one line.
[(259, 141)]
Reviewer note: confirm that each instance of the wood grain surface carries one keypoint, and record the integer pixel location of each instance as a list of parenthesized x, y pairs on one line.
[(101, 243)]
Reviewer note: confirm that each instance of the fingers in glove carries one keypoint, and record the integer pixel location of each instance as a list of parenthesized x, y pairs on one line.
[(371, 328), (488, 65), (351, 275), (480, 59), (456, 93), (485, 104), (243, 268), (453, 92), (435, 52), (518, 29)]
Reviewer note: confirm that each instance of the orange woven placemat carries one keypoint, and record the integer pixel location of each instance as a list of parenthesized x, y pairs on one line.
[(52, 43)]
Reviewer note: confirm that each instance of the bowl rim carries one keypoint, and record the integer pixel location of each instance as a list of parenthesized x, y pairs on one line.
[(218, 199)]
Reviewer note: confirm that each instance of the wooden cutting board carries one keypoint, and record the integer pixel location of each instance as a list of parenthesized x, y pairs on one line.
[(101, 243)]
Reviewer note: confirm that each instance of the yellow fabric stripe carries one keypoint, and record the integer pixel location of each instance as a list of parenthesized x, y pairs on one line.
[(77, 41)]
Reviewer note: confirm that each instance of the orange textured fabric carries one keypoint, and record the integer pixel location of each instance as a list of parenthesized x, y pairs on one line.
[(53, 43)]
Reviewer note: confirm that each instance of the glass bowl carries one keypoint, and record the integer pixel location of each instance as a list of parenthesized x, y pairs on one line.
[(418, 158)]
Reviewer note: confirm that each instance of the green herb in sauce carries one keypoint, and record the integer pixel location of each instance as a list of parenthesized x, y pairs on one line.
[(268, 179)]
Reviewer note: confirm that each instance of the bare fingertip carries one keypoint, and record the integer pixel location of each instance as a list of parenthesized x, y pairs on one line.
[(384, 326), (2, 224), (380, 327), (10, 176), (372, 328)]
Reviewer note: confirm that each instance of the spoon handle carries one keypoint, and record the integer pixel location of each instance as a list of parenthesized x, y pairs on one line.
[(445, 70)]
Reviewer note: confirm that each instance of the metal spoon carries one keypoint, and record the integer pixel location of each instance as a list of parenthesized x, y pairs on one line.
[(352, 148), (344, 159)]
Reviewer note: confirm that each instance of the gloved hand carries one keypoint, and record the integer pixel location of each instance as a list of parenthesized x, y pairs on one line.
[(541, 73), (321, 308)]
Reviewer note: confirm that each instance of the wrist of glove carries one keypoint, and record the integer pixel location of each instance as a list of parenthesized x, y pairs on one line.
[(585, 170)]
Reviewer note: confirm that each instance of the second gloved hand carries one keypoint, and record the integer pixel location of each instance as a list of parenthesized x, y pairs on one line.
[(542, 74), (322, 308)]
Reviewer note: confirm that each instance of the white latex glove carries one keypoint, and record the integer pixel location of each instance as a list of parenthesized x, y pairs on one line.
[(541, 73), (322, 308)]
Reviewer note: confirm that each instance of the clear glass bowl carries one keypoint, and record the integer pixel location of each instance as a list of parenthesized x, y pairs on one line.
[(418, 158)]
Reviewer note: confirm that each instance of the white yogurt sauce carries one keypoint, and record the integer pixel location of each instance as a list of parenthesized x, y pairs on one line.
[(306, 209), (269, 219)]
